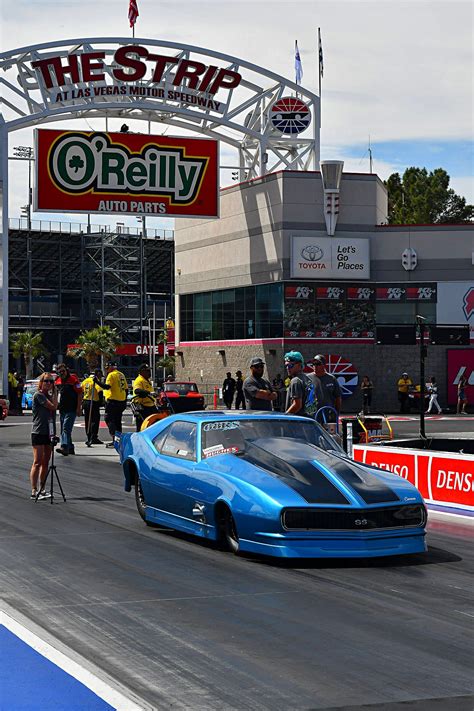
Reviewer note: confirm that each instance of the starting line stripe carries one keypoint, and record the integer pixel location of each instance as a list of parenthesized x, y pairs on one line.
[(106, 691)]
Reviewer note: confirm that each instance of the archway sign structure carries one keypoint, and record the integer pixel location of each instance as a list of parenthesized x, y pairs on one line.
[(253, 110)]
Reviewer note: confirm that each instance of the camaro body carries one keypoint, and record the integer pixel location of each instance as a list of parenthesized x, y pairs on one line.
[(290, 489)]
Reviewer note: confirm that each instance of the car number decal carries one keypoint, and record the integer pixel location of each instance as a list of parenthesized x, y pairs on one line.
[(220, 426)]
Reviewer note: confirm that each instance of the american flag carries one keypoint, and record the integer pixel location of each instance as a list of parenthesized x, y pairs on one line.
[(133, 12)]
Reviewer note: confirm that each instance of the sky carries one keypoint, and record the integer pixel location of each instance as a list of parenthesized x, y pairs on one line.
[(399, 74)]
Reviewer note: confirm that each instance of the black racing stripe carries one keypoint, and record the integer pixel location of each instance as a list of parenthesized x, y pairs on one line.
[(299, 474), (369, 487)]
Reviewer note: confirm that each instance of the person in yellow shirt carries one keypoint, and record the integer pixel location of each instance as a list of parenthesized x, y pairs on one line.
[(115, 392), (404, 384), (92, 395), (142, 389)]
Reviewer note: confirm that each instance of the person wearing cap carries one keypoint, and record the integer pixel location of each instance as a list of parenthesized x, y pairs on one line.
[(299, 386), (91, 406), (142, 389), (258, 393), (239, 387), (70, 406), (115, 392), (228, 389), (328, 390), (404, 384)]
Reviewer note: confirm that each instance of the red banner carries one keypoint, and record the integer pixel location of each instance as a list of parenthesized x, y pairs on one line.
[(460, 362), (126, 173), (442, 478)]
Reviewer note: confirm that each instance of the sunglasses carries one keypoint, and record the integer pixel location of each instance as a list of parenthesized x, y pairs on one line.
[(48, 380), (290, 364)]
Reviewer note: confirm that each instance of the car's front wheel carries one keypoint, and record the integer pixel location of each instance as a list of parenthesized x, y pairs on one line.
[(229, 532)]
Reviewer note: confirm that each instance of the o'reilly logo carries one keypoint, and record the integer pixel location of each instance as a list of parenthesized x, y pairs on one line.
[(80, 164)]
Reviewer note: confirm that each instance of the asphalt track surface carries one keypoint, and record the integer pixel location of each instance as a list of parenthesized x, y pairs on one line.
[(182, 625)]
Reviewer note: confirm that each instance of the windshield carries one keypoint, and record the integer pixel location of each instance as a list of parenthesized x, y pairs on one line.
[(231, 436), (181, 388)]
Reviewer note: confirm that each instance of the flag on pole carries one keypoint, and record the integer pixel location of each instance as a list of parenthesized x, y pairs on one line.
[(133, 12), (298, 65), (320, 49)]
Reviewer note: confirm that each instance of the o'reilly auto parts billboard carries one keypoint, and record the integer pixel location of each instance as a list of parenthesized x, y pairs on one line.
[(329, 257), (128, 173)]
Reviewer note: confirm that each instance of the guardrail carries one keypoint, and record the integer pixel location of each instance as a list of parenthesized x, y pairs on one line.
[(21, 223)]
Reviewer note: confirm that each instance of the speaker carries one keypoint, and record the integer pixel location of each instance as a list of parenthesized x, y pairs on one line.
[(396, 335), (450, 335)]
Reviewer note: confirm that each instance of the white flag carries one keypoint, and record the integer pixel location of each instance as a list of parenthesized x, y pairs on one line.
[(298, 65)]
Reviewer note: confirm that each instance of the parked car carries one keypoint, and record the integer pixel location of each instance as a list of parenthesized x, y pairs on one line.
[(31, 386), (181, 396), (269, 483), (4, 405)]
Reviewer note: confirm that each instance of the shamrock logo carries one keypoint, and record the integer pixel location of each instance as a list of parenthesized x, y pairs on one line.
[(76, 162)]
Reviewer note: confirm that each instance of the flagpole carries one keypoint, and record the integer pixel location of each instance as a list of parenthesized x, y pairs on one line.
[(320, 53)]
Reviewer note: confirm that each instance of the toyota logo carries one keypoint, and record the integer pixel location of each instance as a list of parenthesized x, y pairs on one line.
[(312, 253), (360, 522)]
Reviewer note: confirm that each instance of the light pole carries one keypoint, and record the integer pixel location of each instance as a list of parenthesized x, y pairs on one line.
[(420, 320), (26, 153)]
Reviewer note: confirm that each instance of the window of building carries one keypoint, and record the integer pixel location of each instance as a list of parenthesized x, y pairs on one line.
[(404, 313)]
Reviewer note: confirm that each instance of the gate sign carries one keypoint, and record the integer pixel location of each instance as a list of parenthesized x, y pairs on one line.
[(128, 173)]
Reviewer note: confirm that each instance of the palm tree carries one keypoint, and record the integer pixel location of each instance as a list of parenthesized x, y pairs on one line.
[(99, 342), (29, 345)]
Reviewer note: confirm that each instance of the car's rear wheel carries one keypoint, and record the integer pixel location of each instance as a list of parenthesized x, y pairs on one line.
[(229, 534), (139, 498)]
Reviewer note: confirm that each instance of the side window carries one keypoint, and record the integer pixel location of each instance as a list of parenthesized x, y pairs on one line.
[(160, 438), (181, 441)]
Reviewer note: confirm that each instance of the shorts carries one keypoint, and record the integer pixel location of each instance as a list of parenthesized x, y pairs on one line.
[(40, 439)]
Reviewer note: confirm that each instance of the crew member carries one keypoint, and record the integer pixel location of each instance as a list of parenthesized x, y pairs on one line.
[(92, 395), (142, 389), (70, 406), (239, 394), (258, 393), (115, 392), (228, 389), (328, 390), (404, 384), (300, 388)]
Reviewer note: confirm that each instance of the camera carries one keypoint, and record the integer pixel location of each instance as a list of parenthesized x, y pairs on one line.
[(54, 440)]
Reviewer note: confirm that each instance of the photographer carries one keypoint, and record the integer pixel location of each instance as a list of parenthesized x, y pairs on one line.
[(43, 432), (144, 403)]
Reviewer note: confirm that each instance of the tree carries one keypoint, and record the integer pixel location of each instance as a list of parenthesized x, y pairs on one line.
[(420, 197), (99, 342), (167, 361), (29, 345)]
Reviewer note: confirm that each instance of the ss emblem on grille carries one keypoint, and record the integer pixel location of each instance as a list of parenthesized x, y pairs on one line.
[(360, 522)]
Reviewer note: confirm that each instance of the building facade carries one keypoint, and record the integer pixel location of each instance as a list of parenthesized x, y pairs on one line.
[(65, 278), (266, 278)]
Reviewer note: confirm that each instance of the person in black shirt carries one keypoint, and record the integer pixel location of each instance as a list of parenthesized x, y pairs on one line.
[(259, 394), (228, 389), (239, 396)]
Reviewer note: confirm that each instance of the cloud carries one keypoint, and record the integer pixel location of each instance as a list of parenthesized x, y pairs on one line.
[(393, 70)]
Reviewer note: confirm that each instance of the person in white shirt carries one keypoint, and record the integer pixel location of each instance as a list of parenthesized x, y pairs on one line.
[(433, 393)]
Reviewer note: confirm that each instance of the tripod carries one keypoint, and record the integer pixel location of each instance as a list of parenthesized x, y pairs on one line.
[(53, 472)]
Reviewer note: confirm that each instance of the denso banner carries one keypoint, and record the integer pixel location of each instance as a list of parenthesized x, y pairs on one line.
[(127, 173), (442, 478), (324, 258)]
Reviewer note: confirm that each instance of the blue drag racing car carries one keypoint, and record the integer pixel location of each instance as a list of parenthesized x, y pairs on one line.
[(269, 483)]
